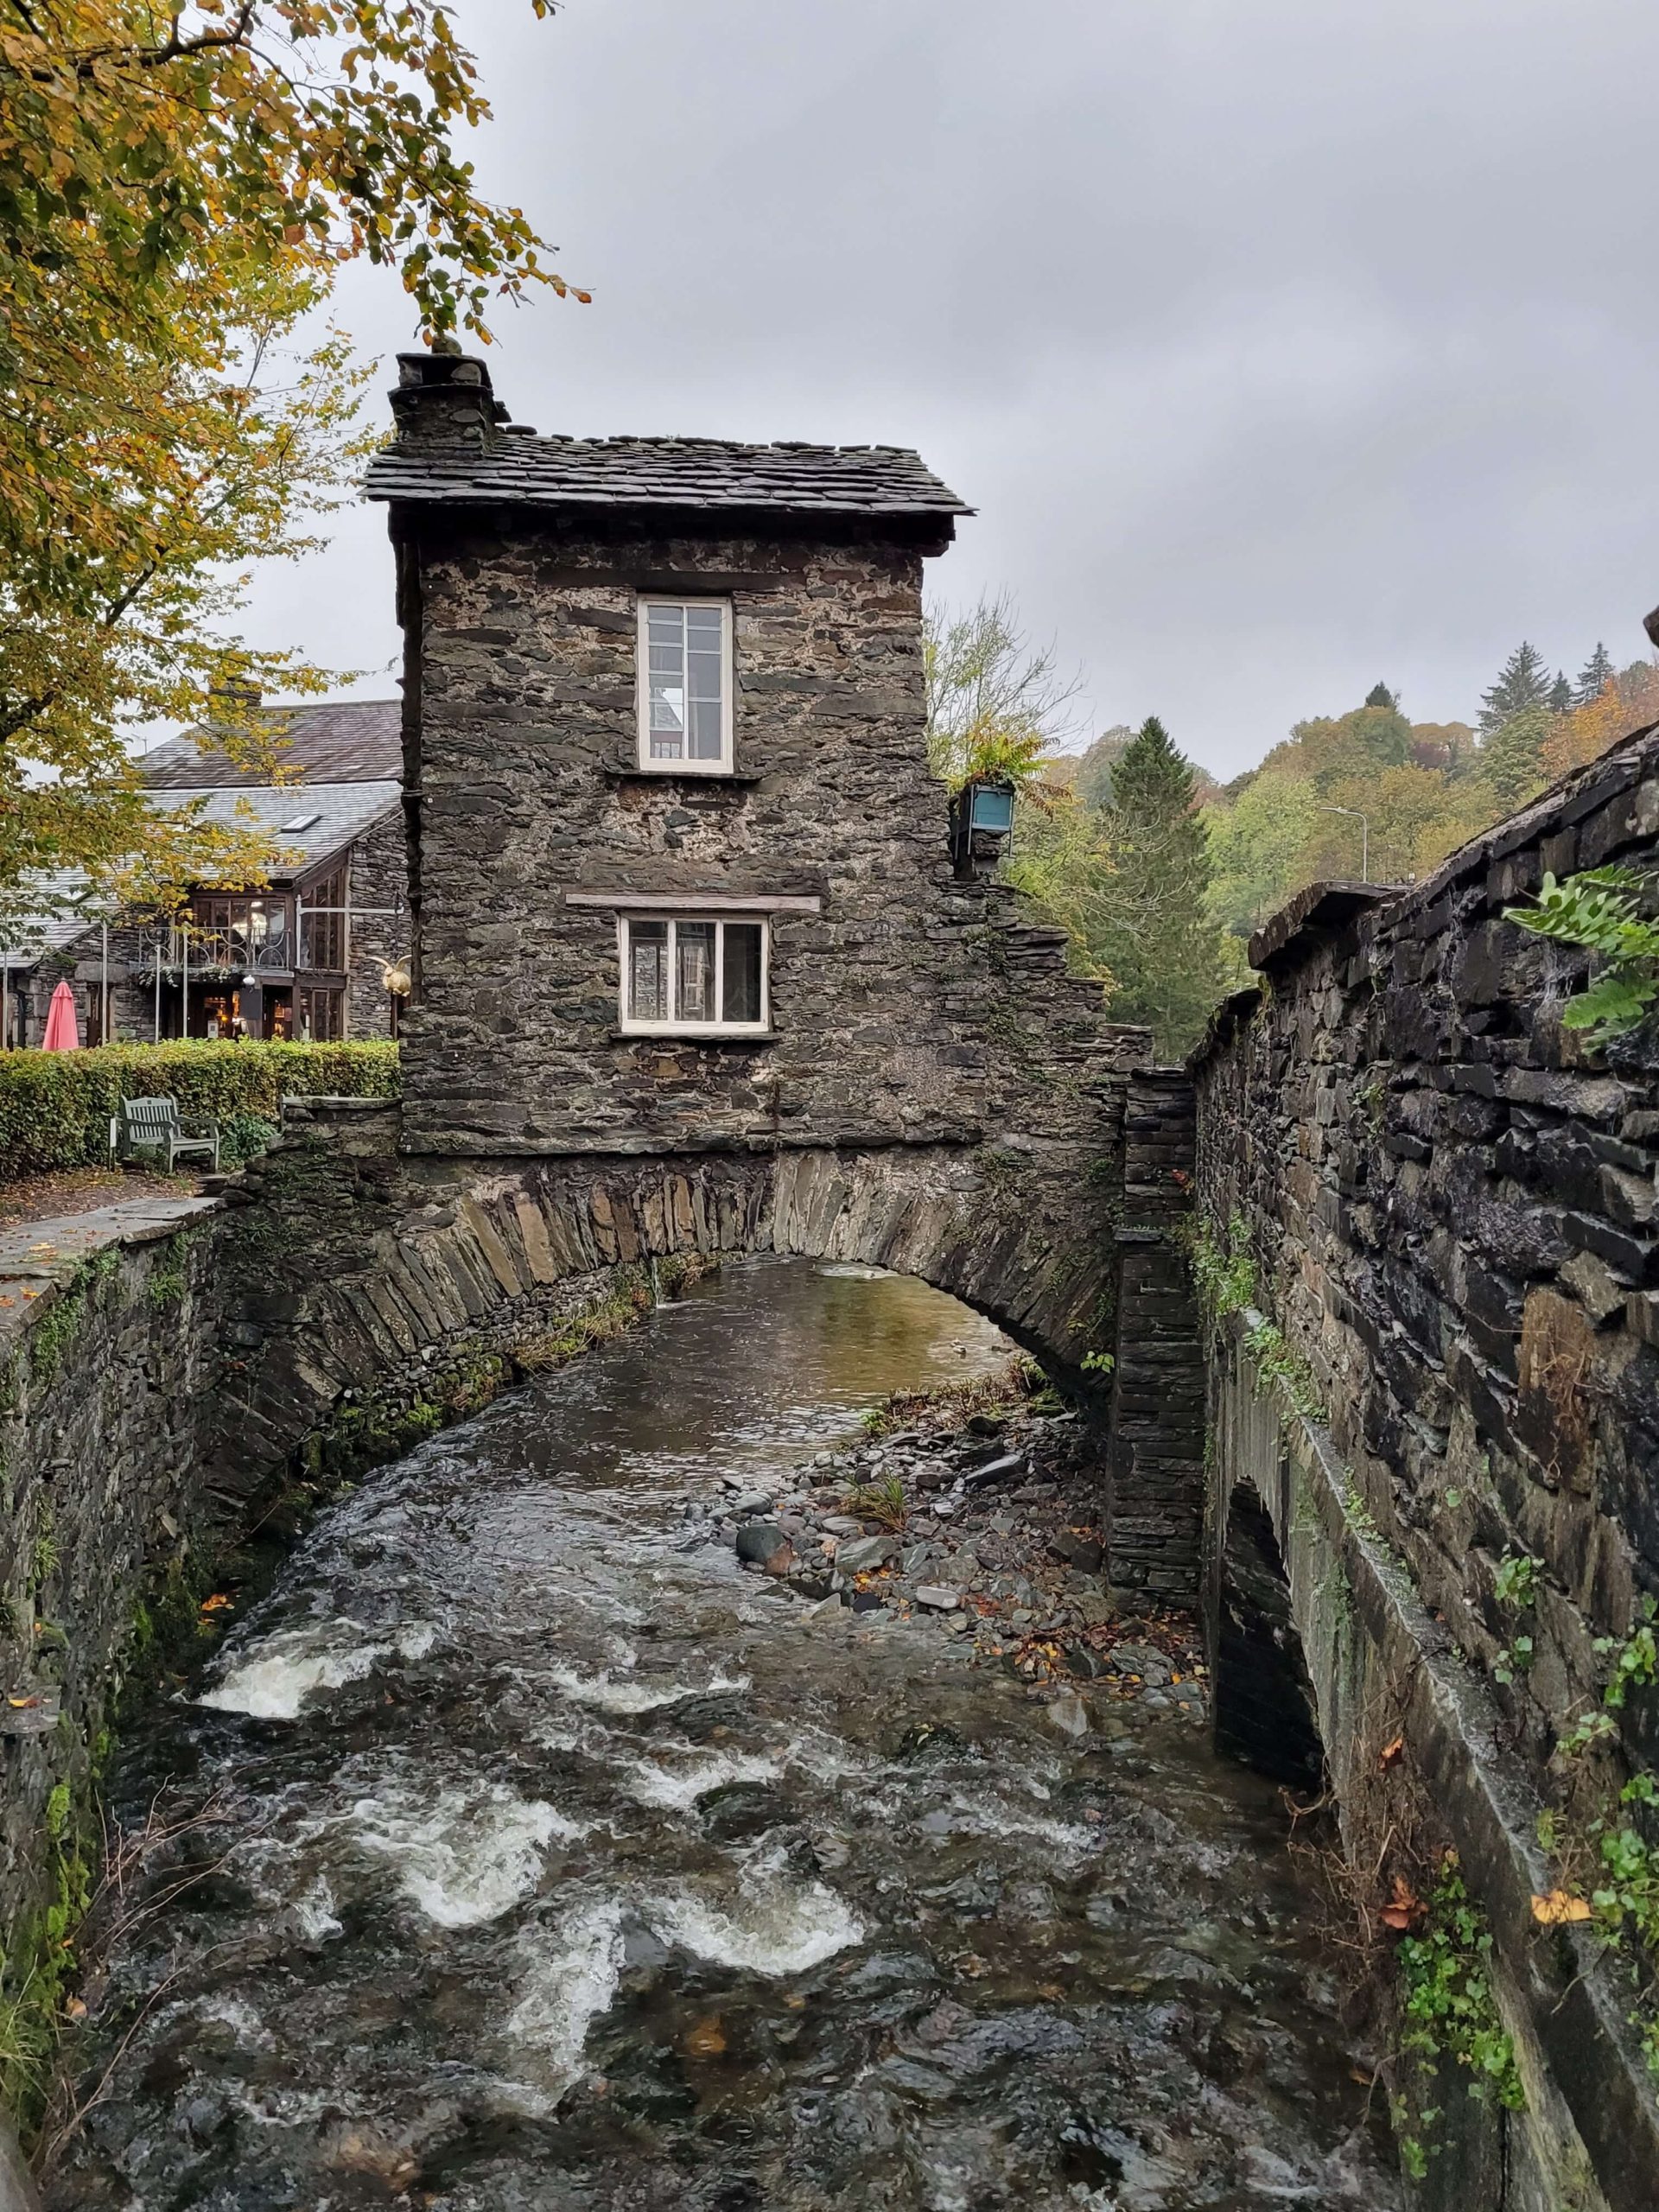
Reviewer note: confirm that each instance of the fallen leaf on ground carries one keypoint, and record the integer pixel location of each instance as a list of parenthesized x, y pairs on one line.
[(1391, 1752)]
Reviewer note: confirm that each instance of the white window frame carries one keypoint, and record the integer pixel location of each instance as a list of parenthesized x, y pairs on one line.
[(722, 766), (674, 1027)]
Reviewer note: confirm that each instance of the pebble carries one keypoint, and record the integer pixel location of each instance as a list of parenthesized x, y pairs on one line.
[(938, 1598)]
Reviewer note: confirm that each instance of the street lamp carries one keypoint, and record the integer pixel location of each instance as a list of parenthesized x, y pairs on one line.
[(1364, 837)]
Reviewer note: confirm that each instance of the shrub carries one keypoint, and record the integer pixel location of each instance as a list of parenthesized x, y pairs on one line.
[(56, 1108)]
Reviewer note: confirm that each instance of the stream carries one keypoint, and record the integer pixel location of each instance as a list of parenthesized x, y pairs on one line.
[(557, 1863)]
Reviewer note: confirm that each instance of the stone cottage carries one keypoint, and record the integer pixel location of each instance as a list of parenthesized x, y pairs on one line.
[(306, 956), (681, 875)]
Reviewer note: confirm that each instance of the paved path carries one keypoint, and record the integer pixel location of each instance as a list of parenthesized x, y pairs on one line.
[(48, 1250), (38, 1257)]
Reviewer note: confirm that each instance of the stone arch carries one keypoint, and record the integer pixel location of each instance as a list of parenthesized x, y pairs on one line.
[(357, 1274), (1265, 1714)]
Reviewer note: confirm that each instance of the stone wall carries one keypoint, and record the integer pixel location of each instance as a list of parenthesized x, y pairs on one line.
[(1156, 1476), (105, 1360), (1445, 1211), (910, 1008)]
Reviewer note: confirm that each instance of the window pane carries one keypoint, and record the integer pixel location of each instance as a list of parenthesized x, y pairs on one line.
[(704, 671), (705, 729), (665, 625), (702, 625), (742, 976), (648, 972), (694, 982)]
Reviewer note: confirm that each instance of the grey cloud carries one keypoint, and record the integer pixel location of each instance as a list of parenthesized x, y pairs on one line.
[(1282, 346)]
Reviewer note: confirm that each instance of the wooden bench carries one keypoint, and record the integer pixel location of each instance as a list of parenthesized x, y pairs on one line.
[(144, 1125)]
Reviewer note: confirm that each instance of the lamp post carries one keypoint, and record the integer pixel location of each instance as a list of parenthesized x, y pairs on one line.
[(1364, 837)]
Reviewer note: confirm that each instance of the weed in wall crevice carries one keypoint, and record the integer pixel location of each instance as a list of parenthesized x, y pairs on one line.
[(1449, 2014)]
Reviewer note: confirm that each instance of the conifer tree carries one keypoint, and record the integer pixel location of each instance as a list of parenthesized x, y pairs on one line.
[(1512, 760), (1523, 682), (1593, 677), (1560, 694), (1380, 695), (1150, 927)]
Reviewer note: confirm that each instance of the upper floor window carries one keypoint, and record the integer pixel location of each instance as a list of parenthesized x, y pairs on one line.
[(685, 689)]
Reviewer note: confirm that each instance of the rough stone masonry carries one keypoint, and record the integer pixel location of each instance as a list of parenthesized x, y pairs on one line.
[(1446, 1203)]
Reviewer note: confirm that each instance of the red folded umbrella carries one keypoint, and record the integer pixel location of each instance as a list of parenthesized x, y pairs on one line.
[(62, 1030)]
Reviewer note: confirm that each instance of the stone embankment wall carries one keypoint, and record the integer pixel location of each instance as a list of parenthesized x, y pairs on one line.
[(1432, 1210), (1156, 1478), (107, 1352)]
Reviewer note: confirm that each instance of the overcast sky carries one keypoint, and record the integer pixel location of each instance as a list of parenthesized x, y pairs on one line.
[(1282, 345)]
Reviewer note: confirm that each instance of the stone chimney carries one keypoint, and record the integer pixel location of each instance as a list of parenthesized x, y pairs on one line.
[(443, 400)]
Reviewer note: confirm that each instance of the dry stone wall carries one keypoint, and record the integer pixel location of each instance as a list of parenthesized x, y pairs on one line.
[(1442, 1205)]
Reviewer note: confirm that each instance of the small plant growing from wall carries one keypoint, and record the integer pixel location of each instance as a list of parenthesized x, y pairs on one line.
[(1599, 912), (1449, 2013), (1515, 1587)]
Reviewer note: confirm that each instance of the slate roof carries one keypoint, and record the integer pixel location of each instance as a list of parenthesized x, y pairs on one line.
[(520, 469), (341, 741), (334, 814), (59, 910)]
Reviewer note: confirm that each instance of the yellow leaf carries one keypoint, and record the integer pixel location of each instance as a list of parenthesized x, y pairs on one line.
[(1558, 1907)]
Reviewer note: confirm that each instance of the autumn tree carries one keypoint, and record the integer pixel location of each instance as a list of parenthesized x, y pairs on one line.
[(996, 702), (176, 194)]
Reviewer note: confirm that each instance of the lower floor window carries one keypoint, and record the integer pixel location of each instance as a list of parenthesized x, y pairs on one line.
[(685, 972), (322, 1017)]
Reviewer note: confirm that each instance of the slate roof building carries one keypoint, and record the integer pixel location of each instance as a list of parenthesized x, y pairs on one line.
[(305, 957), (681, 875)]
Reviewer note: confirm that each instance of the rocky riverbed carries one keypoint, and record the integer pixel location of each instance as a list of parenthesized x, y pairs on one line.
[(975, 1509)]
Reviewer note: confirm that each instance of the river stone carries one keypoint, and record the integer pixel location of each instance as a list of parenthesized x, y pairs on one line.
[(865, 1555), (998, 1469), (1084, 1553), (842, 1524), (1153, 1668), (760, 1541), (1068, 1713), (751, 1503), (938, 1598)]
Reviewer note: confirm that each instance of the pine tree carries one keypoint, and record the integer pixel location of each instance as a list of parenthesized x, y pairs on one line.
[(1560, 694), (1523, 681), (1380, 695), (1593, 677), (1149, 925), (1512, 760)]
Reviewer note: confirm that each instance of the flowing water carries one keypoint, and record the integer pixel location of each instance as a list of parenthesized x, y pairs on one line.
[(562, 1866)]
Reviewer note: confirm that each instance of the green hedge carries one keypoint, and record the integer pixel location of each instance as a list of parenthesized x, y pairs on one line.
[(56, 1108)]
